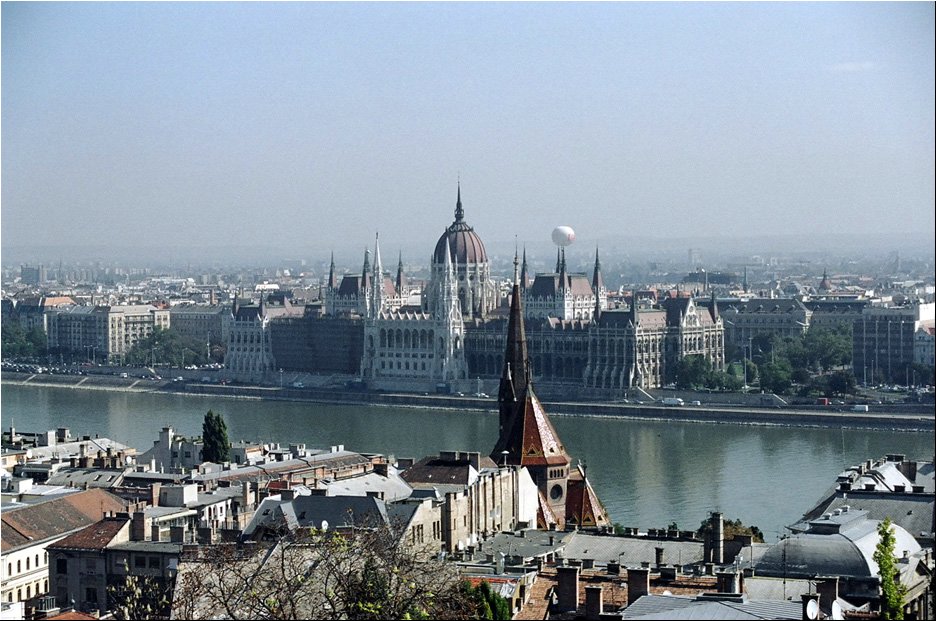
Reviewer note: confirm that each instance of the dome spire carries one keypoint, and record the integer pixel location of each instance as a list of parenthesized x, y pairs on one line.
[(459, 210)]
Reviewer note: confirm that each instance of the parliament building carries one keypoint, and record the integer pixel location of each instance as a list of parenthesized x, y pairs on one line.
[(451, 336)]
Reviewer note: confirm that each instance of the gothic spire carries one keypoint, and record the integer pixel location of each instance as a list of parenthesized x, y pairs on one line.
[(597, 281), (523, 271), (514, 377), (332, 282), (558, 259), (563, 276), (399, 275), (459, 210)]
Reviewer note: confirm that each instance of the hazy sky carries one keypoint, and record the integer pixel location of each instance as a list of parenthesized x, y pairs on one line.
[(313, 125)]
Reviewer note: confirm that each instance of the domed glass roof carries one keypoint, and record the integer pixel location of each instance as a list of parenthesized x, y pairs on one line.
[(463, 243)]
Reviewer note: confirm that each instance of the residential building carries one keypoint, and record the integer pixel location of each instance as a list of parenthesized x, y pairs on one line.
[(884, 341), (28, 530)]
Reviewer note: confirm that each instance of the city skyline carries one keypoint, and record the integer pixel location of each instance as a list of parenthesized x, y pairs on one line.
[(315, 125)]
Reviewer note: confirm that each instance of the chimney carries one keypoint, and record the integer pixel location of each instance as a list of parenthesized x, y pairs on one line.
[(383, 469), (138, 527), (594, 603), (827, 588), (728, 582), (177, 534), (659, 555), (154, 494), (908, 469), (287, 494), (810, 606), (568, 588), (614, 567), (638, 584), (718, 536), (499, 563)]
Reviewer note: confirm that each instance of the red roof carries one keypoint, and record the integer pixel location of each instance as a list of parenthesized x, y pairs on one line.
[(582, 505), (95, 537), (39, 522), (533, 440)]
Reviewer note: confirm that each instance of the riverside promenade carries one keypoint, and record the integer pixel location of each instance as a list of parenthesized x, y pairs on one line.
[(917, 418)]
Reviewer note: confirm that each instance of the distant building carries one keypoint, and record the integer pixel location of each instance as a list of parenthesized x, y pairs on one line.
[(884, 341), (249, 356), (104, 332), (203, 323), (33, 275)]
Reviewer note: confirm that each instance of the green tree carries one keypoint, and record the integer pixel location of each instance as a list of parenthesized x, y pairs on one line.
[(140, 598), (19, 343), (731, 529), (167, 347), (692, 372), (216, 447), (842, 383), (776, 376), (892, 591)]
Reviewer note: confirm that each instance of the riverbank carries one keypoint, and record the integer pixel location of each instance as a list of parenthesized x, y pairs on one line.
[(829, 418)]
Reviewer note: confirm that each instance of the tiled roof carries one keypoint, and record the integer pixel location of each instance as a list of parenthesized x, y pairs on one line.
[(533, 440), (35, 523), (436, 470), (94, 537), (582, 505)]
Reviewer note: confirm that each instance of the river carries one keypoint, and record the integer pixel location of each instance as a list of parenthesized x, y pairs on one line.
[(648, 474)]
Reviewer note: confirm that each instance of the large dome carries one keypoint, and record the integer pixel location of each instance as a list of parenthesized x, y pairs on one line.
[(464, 244)]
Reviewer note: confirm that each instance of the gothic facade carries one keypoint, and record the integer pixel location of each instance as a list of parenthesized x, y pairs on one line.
[(477, 293), (415, 349)]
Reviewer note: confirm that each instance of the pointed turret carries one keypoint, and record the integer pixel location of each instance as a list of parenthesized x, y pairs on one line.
[(563, 276), (399, 275), (713, 308), (459, 210), (332, 281), (514, 375), (523, 272), (824, 284), (365, 271), (597, 281), (377, 294), (558, 259)]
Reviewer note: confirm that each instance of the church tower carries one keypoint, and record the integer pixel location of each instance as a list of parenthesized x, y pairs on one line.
[(527, 437)]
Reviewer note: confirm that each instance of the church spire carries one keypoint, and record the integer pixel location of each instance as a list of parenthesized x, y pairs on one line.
[(597, 281), (514, 376), (523, 271), (459, 210), (332, 282), (399, 275), (563, 276), (377, 280)]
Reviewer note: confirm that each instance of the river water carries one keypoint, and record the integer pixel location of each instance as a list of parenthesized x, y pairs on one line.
[(648, 474)]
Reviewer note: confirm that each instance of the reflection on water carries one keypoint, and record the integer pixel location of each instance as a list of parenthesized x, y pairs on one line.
[(649, 474)]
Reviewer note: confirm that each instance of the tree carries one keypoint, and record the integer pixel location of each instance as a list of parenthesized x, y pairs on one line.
[(488, 604), (731, 528), (216, 447), (842, 383), (139, 597), (167, 347), (776, 376), (892, 591), (370, 573)]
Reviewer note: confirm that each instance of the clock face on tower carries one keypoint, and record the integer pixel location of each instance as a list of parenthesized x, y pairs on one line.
[(555, 493)]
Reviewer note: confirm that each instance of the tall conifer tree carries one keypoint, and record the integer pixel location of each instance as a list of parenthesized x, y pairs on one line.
[(216, 448)]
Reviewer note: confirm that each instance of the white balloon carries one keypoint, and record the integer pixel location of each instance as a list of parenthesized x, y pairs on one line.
[(563, 235)]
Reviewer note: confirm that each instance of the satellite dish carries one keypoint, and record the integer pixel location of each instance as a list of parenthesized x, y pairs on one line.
[(812, 610), (563, 235), (837, 611)]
